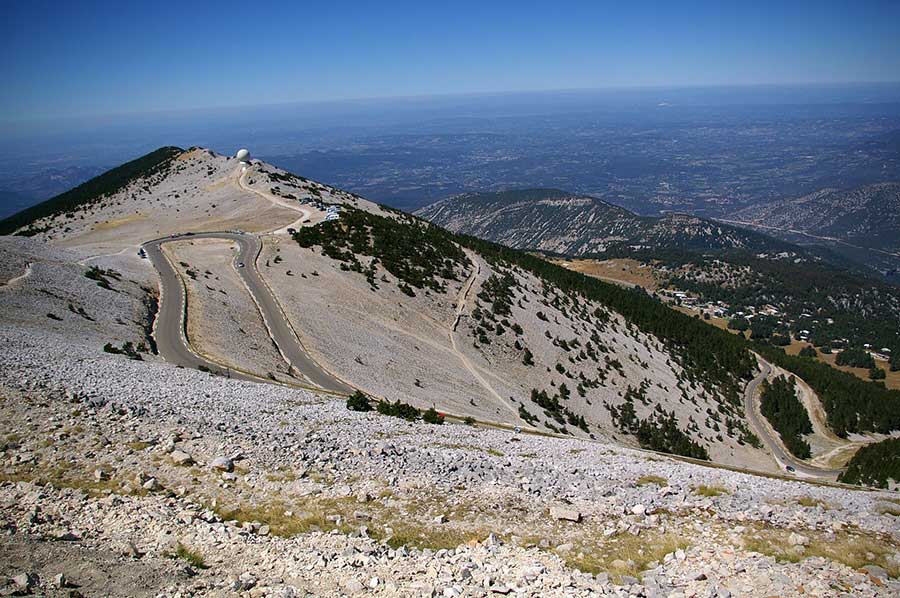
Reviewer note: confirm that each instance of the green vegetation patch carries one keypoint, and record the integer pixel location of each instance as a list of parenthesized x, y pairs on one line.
[(855, 357), (192, 557), (418, 254), (874, 464), (780, 405)]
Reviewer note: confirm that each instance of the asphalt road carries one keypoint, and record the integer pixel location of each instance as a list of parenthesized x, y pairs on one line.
[(766, 434), (169, 330)]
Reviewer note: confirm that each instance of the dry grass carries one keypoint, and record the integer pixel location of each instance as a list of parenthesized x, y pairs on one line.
[(192, 557), (282, 476), (652, 479), (851, 548), (325, 514), (288, 520), (624, 271), (809, 502), (710, 491), (445, 537), (888, 510), (61, 477), (625, 554)]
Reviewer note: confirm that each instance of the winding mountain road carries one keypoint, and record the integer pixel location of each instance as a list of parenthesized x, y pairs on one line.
[(769, 436), (170, 325)]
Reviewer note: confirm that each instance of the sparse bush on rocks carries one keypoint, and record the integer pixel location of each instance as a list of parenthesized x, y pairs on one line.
[(192, 557), (127, 349), (710, 491), (652, 479), (398, 409), (358, 402), (102, 276), (430, 416)]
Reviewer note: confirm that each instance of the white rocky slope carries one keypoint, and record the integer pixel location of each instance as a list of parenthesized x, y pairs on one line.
[(444, 348), (135, 478)]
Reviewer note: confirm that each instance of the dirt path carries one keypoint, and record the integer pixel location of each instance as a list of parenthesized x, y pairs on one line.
[(87, 260), (461, 306), (21, 276), (305, 213), (839, 456)]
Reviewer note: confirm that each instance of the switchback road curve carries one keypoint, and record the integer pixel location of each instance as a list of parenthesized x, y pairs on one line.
[(767, 435), (169, 329)]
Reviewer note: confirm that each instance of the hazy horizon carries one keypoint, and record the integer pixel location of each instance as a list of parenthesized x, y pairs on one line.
[(102, 58)]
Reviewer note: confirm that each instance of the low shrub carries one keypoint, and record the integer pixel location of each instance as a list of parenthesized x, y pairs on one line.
[(433, 417), (358, 402), (398, 409)]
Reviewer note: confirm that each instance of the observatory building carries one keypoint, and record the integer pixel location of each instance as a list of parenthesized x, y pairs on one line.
[(243, 155)]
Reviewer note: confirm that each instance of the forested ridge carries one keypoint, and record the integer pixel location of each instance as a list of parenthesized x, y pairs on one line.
[(419, 254), (874, 464)]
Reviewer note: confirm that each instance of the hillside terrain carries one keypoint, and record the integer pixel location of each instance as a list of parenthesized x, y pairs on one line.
[(403, 310), (861, 223), (239, 471), (734, 271), (867, 216)]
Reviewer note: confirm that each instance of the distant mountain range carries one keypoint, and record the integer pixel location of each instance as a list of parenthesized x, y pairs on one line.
[(867, 216), (562, 222), (862, 223)]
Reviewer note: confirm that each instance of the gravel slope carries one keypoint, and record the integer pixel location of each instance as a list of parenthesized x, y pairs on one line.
[(108, 464)]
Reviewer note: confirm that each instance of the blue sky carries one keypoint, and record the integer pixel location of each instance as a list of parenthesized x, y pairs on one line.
[(63, 59)]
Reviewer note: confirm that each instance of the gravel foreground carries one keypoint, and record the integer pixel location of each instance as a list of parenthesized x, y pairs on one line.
[(136, 478)]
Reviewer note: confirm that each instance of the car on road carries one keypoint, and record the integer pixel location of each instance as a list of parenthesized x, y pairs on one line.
[(790, 469), (240, 264)]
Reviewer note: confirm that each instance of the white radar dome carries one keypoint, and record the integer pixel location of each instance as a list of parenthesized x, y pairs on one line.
[(243, 155)]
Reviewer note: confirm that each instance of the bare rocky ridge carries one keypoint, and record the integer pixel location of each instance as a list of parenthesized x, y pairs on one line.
[(561, 222), (130, 475), (868, 216)]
